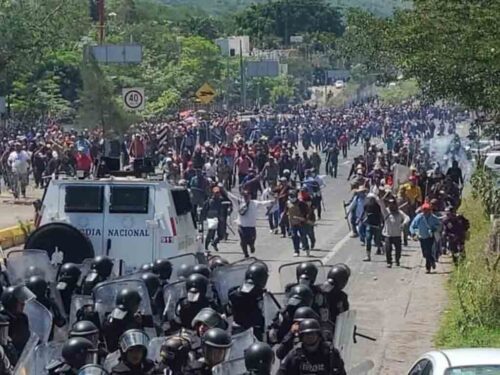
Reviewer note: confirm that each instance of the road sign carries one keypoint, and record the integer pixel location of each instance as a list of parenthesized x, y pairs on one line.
[(133, 98), (117, 53), (264, 68), (206, 93)]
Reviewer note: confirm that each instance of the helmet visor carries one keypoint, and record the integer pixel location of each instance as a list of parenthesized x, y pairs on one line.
[(92, 370), (133, 338), (213, 356)]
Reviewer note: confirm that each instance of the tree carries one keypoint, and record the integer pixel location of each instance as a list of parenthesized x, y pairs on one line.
[(452, 48), (283, 18)]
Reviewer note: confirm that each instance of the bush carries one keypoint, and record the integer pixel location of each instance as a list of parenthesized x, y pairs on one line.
[(473, 315)]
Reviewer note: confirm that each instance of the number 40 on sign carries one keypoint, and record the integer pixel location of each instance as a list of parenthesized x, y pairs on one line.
[(133, 98)]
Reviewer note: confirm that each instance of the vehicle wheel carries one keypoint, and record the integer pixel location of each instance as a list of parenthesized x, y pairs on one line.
[(70, 241)]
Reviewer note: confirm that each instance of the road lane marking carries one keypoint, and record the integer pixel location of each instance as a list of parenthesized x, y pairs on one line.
[(328, 257)]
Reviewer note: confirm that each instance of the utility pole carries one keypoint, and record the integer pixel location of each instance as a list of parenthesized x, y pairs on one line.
[(242, 78), (286, 23), (102, 19)]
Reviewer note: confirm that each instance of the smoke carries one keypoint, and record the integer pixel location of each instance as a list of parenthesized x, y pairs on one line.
[(445, 149)]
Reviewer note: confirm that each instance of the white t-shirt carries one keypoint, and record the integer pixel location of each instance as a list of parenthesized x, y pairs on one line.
[(250, 217), (19, 161)]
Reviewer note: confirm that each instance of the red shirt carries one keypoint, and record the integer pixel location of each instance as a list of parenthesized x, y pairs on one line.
[(83, 162)]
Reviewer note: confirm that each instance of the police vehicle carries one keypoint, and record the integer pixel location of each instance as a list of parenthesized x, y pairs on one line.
[(133, 219)]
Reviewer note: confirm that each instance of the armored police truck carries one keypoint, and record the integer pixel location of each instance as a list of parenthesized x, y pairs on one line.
[(136, 220)]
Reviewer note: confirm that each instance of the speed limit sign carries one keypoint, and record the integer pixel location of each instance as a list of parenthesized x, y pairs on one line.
[(133, 98)]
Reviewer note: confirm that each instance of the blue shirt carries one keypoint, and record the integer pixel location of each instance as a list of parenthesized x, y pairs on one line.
[(425, 226)]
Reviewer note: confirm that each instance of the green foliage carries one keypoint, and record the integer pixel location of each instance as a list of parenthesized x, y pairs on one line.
[(452, 48), (483, 184), (401, 91), (284, 18), (473, 315)]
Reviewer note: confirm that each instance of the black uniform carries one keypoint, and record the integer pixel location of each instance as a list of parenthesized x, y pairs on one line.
[(146, 367), (19, 329), (113, 328), (246, 309), (186, 311), (324, 361), (338, 303)]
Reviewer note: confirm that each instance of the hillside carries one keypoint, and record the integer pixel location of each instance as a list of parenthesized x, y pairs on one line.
[(378, 7)]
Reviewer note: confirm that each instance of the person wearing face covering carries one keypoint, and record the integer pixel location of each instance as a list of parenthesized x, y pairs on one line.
[(134, 350), (313, 355)]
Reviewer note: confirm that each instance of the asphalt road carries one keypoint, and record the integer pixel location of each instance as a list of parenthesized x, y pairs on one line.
[(400, 307)]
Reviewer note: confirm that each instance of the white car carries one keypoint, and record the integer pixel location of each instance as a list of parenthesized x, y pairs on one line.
[(480, 361), (492, 161), (482, 147), (339, 84)]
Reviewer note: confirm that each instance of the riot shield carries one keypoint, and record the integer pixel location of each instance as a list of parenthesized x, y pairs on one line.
[(22, 264), (246, 261), (190, 259), (77, 302), (344, 335), (40, 319), (45, 354), (172, 293), (118, 268), (241, 342), (226, 278), (105, 296), (288, 275), (154, 348), (112, 359), (232, 367), (26, 362), (271, 307)]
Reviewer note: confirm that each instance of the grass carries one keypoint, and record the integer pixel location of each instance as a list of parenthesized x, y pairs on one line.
[(472, 318), (403, 90), (345, 96)]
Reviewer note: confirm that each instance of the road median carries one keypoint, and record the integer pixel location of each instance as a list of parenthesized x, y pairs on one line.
[(15, 235)]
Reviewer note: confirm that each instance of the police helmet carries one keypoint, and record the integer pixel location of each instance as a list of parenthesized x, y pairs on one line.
[(134, 338), (196, 286), (337, 278), (38, 286), (258, 272), (217, 261), (16, 294), (210, 318), (129, 300), (86, 329), (307, 272), (184, 271), (309, 326), (300, 295), (146, 267), (259, 358), (163, 268), (92, 370), (152, 282), (216, 344), (103, 265), (175, 351), (69, 272), (305, 312), (34, 271), (202, 269), (78, 351)]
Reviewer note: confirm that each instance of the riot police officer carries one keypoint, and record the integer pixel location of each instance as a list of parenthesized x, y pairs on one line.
[(100, 271), (124, 316), (259, 359), (153, 284), (92, 370), (246, 301), (291, 338), (216, 261), (313, 355), (67, 283), (39, 287), (89, 331), (163, 268), (76, 353), (216, 344), (187, 308), (184, 271), (208, 318), (202, 269), (13, 300), (336, 298), (146, 267), (307, 273), (134, 350), (300, 295), (174, 356)]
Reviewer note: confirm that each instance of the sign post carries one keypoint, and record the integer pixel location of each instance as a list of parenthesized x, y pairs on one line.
[(205, 93), (133, 98)]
